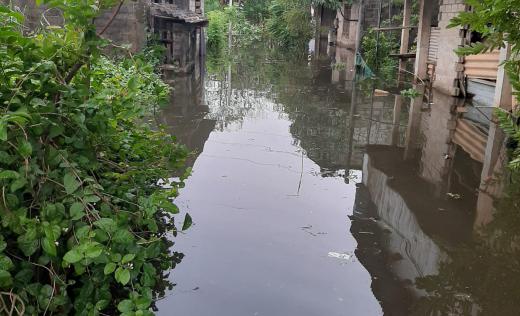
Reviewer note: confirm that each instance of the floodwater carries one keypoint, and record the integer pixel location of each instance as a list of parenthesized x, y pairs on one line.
[(311, 196)]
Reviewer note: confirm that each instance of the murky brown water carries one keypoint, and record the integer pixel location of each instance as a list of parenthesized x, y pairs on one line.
[(310, 196)]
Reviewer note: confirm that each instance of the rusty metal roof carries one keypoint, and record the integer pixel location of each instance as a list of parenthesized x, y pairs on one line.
[(171, 12)]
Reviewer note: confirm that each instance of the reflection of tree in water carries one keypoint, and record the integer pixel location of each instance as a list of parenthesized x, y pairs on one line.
[(482, 278), (319, 110)]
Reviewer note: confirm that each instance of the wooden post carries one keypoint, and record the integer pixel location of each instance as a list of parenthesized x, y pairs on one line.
[(414, 120), (405, 39), (503, 99), (397, 118), (423, 39), (495, 144)]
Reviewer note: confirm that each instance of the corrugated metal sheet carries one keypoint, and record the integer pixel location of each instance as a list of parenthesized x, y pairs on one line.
[(471, 139), (483, 91), (434, 44), (482, 66)]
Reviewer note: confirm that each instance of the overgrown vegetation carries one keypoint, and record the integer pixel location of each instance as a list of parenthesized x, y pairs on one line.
[(83, 218), (376, 50), (497, 21), (286, 24), (243, 31)]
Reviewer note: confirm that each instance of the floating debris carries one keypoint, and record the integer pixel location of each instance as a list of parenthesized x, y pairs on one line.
[(342, 256), (454, 196), (380, 93)]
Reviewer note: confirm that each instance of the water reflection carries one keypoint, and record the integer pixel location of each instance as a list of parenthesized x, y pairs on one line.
[(296, 162)]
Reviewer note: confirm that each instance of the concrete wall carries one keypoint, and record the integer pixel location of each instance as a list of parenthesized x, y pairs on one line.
[(347, 30), (36, 16), (129, 26), (449, 65)]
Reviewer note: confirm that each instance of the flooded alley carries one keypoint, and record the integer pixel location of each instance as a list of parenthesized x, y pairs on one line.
[(260, 158), (312, 196)]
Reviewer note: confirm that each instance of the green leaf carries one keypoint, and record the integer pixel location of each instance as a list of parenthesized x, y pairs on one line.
[(73, 256), (9, 174), (70, 183), (122, 275), (125, 306), (5, 279), (25, 149), (91, 199), (127, 258), (143, 303), (93, 250), (106, 224), (28, 243), (109, 268), (132, 83), (3, 130), (77, 211), (187, 222), (102, 304), (3, 244), (49, 246), (6, 263), (18, 184)]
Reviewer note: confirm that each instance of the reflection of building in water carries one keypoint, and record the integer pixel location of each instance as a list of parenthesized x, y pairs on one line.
[(424, 195), (334, 123), (185, 117)]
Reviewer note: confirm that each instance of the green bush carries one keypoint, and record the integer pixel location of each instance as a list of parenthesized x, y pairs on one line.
[(385, 66), (83, 218), (217, 30), (290, 24), (256, 11)]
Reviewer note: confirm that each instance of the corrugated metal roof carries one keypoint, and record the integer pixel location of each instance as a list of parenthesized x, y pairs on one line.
[(482, 66), (171, 12)]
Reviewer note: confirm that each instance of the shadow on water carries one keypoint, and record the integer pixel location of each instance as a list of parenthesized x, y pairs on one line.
[(297, 167)]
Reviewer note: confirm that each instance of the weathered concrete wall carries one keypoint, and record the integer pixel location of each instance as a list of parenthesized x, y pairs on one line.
[(420, 255), (36, 16), (449, 65), (128, 27), (371, 14), (347, 30), (436, 131)]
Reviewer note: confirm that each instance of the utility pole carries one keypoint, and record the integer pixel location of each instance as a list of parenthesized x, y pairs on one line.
[(405, 39), (230, 44)]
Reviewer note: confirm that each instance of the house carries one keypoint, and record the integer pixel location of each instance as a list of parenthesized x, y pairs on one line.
[(179, 26)]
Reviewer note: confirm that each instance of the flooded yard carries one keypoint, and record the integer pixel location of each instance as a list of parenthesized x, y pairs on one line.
[(312, 196)]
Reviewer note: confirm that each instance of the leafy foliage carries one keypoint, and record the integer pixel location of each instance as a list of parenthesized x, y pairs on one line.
[(290, 24), (379, 59), (83, 218), (244, 32)]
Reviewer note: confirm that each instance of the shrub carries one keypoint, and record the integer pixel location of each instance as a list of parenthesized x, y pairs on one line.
[(83, 218)]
